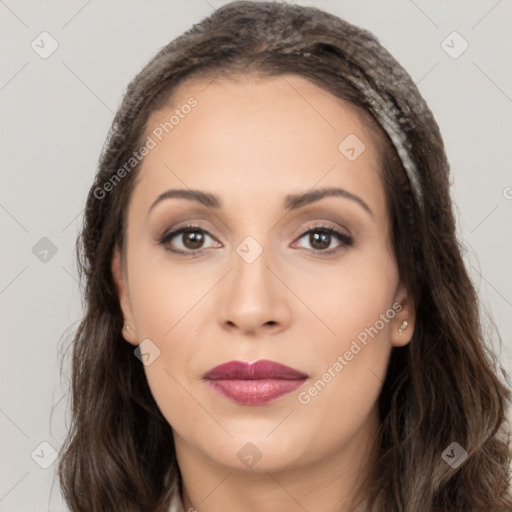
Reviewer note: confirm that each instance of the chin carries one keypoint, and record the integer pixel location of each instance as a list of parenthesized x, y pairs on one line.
[(257, 452)]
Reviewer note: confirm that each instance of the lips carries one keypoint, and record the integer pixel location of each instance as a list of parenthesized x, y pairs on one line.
[(262, 369), (254, 383)]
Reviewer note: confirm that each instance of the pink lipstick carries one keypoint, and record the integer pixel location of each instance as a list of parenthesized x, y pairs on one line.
[(254, 383)]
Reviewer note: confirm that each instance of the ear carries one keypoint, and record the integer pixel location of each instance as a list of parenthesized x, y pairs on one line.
[(402, 325), (129, 330)]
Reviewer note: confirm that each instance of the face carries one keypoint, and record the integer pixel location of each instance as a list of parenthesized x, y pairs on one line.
[(285, 257)]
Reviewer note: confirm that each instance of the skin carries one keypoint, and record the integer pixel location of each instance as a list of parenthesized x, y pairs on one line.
[(252, 142)]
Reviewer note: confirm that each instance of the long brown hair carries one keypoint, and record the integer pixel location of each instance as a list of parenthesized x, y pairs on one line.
[(443, 387)]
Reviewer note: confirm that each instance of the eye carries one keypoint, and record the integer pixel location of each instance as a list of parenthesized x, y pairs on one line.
[(189, 239), (321, 238)]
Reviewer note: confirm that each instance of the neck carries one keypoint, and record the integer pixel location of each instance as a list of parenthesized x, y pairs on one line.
[(329, 484)]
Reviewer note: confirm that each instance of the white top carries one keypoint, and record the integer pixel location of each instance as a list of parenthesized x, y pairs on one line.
[(176, 505)]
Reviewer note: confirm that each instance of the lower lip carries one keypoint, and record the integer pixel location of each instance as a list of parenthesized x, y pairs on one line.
[(254, 392)]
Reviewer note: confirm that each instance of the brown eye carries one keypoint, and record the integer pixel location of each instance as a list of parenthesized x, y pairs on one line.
[(193, 239), (320, 239), (186, 240)]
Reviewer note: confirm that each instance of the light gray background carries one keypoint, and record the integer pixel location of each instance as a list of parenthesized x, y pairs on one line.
[(55, 114)]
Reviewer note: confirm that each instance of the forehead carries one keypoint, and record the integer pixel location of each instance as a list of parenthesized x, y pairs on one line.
[(285, 103), (247, 133)]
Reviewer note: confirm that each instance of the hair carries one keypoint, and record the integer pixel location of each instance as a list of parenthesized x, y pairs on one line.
[(442, 387)]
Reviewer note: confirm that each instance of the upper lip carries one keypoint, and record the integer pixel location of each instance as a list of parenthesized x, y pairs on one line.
[(262, 369)]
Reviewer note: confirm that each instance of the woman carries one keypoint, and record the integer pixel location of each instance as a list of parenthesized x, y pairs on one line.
[(278, 313)]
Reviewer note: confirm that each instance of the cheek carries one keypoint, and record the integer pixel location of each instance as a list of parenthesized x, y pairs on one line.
[(167, 306), (338, 316), (346, 299), (339, 301), (165, 315), (351, 358), (163, 293)]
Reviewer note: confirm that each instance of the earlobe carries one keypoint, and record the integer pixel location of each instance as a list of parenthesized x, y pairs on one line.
[(402, 325), (129, 331)]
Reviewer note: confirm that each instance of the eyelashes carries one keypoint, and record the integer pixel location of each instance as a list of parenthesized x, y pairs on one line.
[(165, 241), (317, 234), (326, 233)]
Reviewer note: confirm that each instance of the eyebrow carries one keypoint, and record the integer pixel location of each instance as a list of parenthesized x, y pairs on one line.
[(291, 202), (294, 201)]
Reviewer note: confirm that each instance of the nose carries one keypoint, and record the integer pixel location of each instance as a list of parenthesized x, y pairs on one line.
[(254, 299)]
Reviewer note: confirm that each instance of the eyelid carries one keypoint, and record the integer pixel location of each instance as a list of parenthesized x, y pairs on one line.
[(174, 232), (345, 240), (327, 224)]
